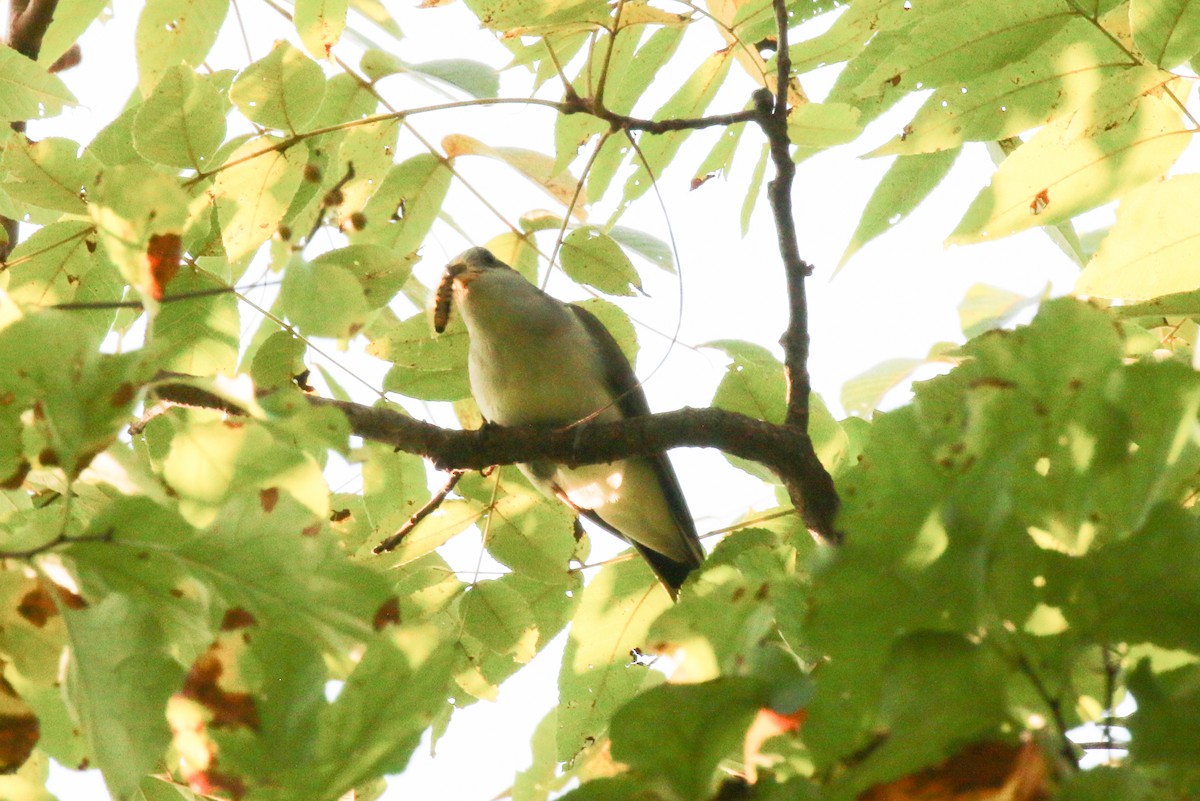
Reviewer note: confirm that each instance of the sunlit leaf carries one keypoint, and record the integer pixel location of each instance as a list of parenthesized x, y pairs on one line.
[(690, 100), (182, 122), (320, 24), (535, 166), (592, 257), (1167, 32), (253, 194), (282, 90), (907, 182), (1133, 265), (948, 42), (118, 679), (27, 90), (1060, 76), (1076, 164), (403, 209), (596, 678), (424, 366), (171, 32), (51, 173)]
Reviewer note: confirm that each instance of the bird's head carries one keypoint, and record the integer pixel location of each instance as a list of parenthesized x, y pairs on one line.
[(460, 272), (471, 263)]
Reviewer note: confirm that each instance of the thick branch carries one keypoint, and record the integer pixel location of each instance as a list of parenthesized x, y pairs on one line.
[(785, 451), (27, 24)]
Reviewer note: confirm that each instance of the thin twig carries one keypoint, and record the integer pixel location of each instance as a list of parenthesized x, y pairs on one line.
[(137, 304), (1054, 704), (422, 513), (61, 539), (1112, 668)]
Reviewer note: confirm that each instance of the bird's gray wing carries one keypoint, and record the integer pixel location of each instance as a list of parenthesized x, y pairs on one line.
[(631, 400)]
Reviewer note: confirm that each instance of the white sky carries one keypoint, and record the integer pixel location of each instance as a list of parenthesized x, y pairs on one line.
[(896, 298)]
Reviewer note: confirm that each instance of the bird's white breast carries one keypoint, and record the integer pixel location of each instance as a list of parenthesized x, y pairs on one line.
[(530, 359)]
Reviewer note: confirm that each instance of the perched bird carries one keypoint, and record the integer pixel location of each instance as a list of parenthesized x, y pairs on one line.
[(536, 360)]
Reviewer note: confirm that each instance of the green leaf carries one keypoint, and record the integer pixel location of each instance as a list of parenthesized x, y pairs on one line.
[(531, 534), (822, 125), (593, 258), (754, 189), (320, 24), (707, 723), (1132, 265), (58, 263), (691, 100), (378, 270), (199, 336), (1060, 76), (907, 182), (254, 192), (863, 393), (939, 692), (182, 122), (637, 70), (473, 77), (849, 34), (50, 173), (71, 19), (402, 211), (986, 307), (1161, 610), (596, 678), (499, 617), (119, 678), (1167, 32), (113, 145), (424, 366), (376, 12), (81, 410), (131, 206), (250, 557), (171, 32), (617, 322), (502, 15), (27, 91), (1105, 782), (283, 90), (650, 248), (1076, 164), (278, 360), (1163, 729), (950, 42), (377, 720), (754, 382), (720, 159), (344, 99)]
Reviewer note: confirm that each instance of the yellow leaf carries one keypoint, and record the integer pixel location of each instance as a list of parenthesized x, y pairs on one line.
[(537, 167)]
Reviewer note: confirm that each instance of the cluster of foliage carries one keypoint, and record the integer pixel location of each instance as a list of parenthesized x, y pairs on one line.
[(1020, 547)]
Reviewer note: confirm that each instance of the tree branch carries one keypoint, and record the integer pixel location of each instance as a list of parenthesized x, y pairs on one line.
[(773, 118), (786, 451)]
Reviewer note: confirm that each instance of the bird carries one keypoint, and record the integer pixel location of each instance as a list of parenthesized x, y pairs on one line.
[(534, 360)]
